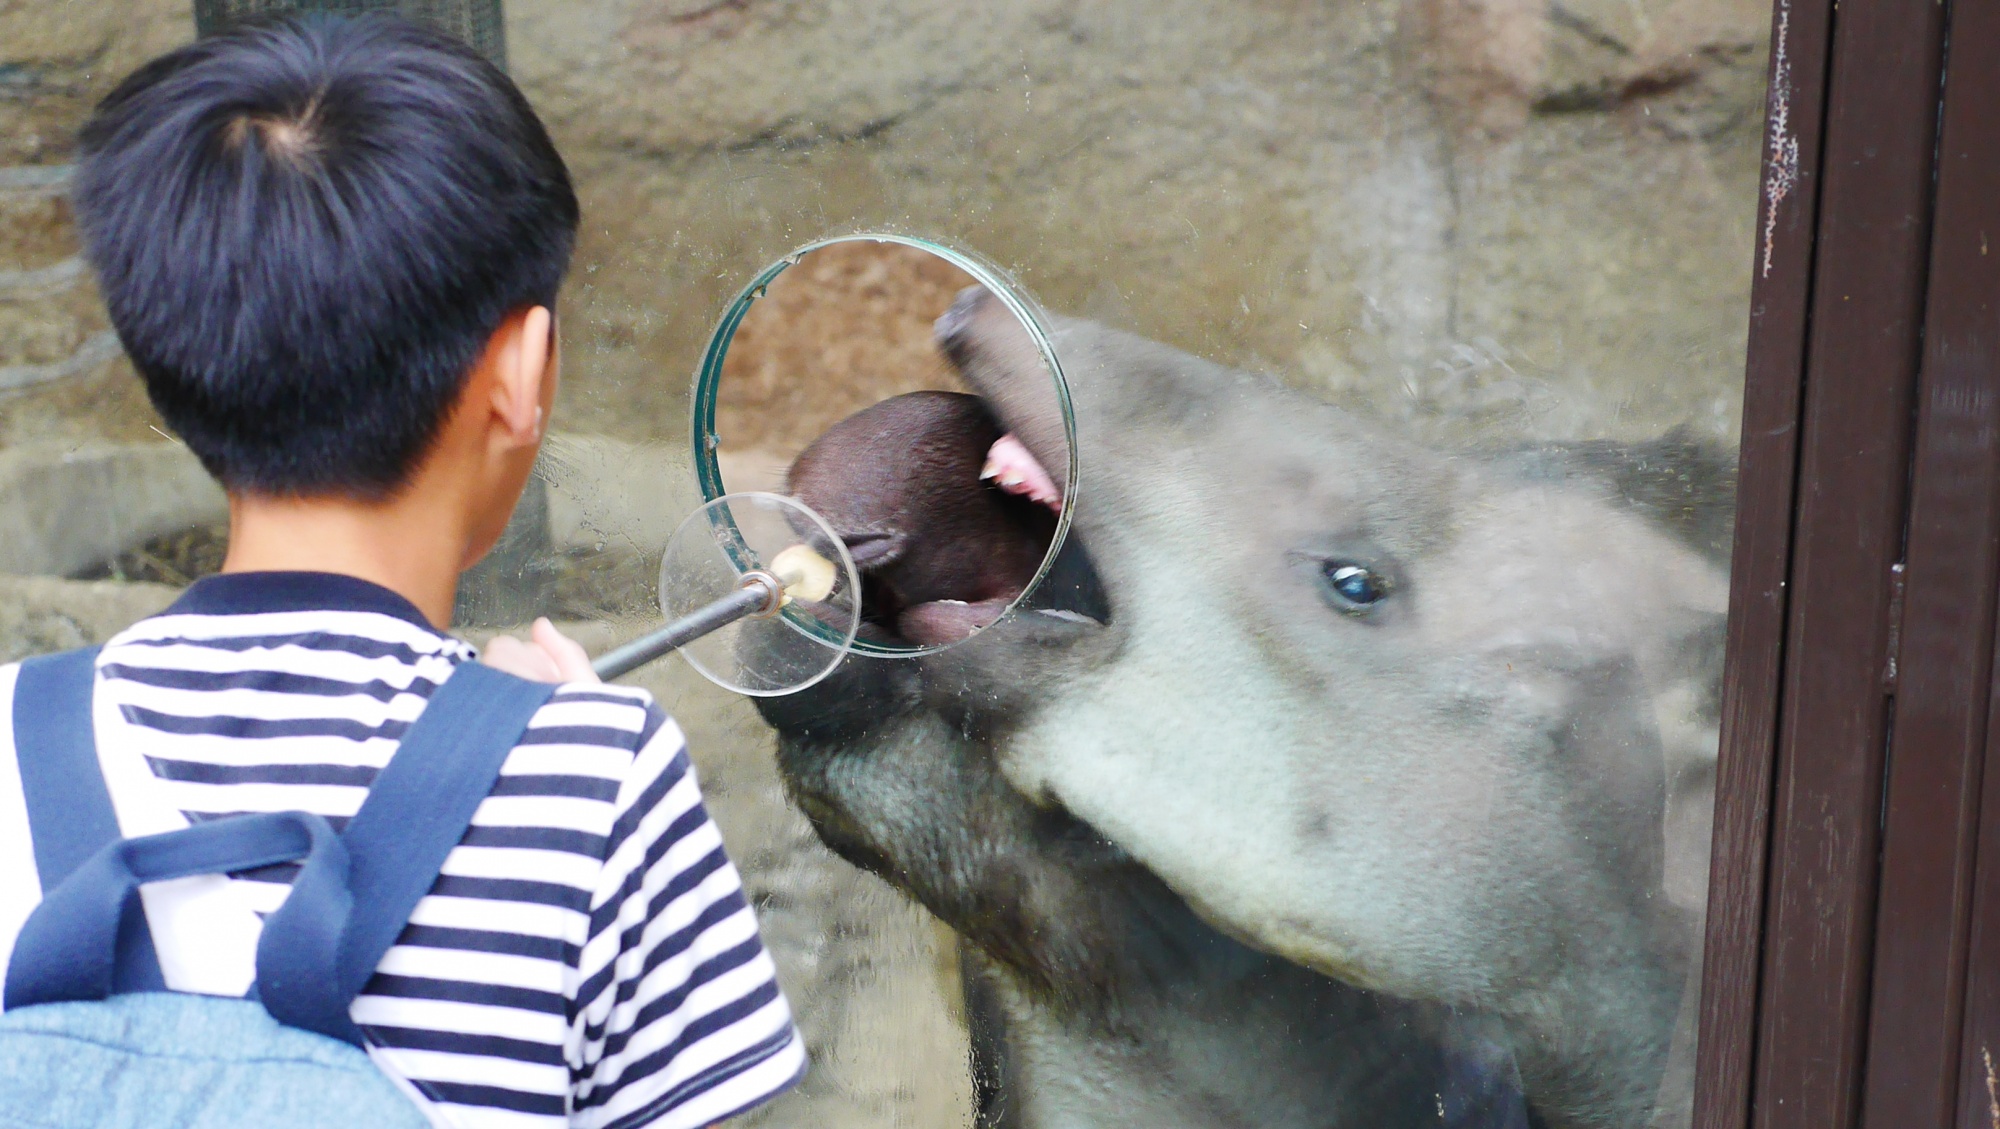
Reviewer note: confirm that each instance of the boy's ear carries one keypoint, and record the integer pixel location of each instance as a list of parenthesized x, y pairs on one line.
[(522, 355)]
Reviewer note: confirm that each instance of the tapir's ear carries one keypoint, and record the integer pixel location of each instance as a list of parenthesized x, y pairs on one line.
[(875, 550), (1681, 480), (1688, 827), (1688, 707)]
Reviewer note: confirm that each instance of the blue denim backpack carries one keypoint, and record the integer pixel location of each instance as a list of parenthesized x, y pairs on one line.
[(91, 1037)]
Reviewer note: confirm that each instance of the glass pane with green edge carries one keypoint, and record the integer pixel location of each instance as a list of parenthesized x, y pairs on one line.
[(1344, 752)]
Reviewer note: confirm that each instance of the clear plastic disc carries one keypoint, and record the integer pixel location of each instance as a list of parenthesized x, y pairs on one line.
[(706, 560)]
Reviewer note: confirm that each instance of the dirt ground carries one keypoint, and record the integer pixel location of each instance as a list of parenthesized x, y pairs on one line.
[(846, 327)]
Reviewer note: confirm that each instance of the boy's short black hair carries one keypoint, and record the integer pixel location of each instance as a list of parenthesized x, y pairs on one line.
[(307, 230)]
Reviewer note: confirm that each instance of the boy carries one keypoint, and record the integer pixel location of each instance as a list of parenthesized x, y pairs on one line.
[(331, 248)]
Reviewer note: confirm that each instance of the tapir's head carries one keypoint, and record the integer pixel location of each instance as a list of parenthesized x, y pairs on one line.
[(1436, 725)]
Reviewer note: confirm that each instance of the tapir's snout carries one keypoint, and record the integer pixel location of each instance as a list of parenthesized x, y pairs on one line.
[(953, 329), (1002, 362)]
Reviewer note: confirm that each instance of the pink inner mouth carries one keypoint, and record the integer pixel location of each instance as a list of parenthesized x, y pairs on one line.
[(948, 621), (1013, 468)]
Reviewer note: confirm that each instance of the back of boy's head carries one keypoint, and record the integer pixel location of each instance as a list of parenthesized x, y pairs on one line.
[(307, 231)]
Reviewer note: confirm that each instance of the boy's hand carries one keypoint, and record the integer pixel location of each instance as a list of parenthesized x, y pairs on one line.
[(550, 657)]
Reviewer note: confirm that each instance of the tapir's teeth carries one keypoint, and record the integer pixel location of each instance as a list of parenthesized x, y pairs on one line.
[(1012, 467)]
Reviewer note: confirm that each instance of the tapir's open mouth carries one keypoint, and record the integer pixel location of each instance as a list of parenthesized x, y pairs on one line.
[(1013, 552), (979, 486), (1071, 589)]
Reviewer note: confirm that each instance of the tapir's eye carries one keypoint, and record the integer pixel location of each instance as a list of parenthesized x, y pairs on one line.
[(1353, 588), (1353, 583)]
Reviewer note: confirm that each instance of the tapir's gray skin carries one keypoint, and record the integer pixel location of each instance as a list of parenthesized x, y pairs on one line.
[(1486, 789), (941, 552)]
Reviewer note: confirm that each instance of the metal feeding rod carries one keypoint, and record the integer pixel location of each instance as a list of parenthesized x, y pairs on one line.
[(797, 573)]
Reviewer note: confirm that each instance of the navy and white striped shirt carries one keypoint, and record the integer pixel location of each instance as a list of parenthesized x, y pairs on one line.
[(586, 956)]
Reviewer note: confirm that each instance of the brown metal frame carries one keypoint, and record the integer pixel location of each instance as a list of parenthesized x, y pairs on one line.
[(1853, 959), (1945, 652)]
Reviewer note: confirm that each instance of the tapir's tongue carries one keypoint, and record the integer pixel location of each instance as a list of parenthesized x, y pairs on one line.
[(947, 621)]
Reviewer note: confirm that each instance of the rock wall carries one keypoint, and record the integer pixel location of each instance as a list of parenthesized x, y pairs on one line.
[(1527, 214), (1534, 211)]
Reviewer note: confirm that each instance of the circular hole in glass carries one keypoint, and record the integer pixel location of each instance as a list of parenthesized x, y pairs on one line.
[(907, 393)]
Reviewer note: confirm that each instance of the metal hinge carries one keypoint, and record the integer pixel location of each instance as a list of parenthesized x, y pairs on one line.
[(1895, 627)]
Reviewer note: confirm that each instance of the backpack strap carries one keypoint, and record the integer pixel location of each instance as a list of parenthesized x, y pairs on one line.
[(70, 817), (68, 947), (349, 902), (416, 812)]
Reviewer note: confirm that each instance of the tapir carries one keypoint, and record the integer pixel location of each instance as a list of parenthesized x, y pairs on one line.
[(1328, 778)]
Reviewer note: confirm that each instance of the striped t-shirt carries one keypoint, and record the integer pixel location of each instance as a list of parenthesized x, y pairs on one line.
[(586, 956)]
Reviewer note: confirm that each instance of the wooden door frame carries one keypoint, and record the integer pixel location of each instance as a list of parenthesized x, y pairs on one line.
[(1854, 902)]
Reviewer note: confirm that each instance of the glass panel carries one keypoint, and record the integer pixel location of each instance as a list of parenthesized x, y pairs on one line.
[(1352, 764)]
